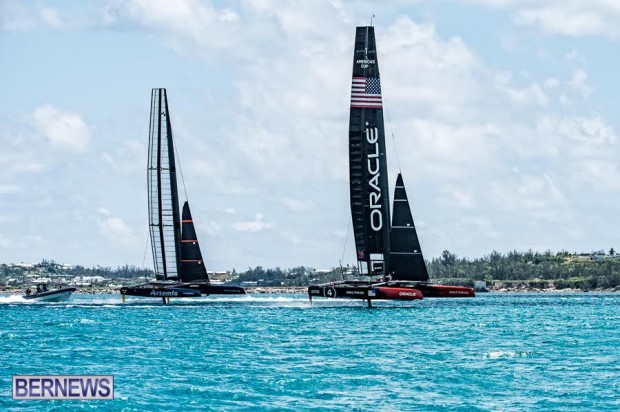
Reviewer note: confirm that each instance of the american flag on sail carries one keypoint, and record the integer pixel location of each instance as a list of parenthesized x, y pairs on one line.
[(366, 92)]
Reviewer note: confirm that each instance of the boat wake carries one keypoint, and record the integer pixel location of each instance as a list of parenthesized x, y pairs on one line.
[(226, 300), (114, 301), (4, 300), (289, 301)]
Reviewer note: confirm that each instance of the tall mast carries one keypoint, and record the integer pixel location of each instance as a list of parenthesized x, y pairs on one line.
[(163, 198), (368, 180)]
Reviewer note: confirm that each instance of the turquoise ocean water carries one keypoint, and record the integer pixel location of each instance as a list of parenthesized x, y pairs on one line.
[(275, 352)]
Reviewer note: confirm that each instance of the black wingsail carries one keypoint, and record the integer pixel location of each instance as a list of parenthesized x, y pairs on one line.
[(164, 221), (370, 208), (192, 265), (406, 260)]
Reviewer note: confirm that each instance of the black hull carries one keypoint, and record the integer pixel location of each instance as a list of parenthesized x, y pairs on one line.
[(180, 290), (148, 291), (393, 290), (364, 291)]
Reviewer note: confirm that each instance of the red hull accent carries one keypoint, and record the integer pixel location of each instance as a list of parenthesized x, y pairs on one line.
[(445, 291), (400, 293)]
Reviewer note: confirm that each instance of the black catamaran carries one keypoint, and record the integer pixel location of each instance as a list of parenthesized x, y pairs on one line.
[(388, 252), (179, 266)]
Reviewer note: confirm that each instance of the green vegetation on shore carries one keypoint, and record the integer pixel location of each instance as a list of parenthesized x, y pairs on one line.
[(531, 270), (584, 271), (49, 268), (514, 270)]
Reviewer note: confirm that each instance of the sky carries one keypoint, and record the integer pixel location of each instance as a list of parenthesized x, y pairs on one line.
[(501, 114)]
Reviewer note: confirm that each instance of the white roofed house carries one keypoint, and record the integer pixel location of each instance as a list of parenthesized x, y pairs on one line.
[(88, 280)]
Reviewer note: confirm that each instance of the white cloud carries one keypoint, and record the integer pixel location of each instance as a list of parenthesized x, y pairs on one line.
[(575, 56), (591, 130), (459, 197), (10, 189), (184, 24), (267, 131), (445, 71), (571, 137), (526, 194), (551, 83), (450, 151), (508, 42), (117, 231), (579, 83), (15, 16), (123, 158), (570, 18), (460, 123), (20, 16), (267, 128), (532, 94), (292, 238), (481, 225), (63, 128), (296, 205), (211, 227), (50, 17), (255, 225), (18, 243), (604, 174)]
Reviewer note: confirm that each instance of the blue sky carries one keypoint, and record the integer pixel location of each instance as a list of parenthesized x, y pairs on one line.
[(504, 115)]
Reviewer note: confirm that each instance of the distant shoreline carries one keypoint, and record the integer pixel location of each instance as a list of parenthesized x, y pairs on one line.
[(493, 288)]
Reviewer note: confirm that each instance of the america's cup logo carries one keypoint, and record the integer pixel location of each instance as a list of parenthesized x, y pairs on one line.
[(374, 195)]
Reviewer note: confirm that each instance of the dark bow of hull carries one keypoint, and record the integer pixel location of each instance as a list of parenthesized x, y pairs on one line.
[(210, 289), (445, 291)]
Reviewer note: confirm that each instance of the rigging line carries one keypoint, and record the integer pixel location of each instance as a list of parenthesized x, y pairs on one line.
[(344, 247), (146, 245), (349, 222), (176, 152), (387, 111)]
